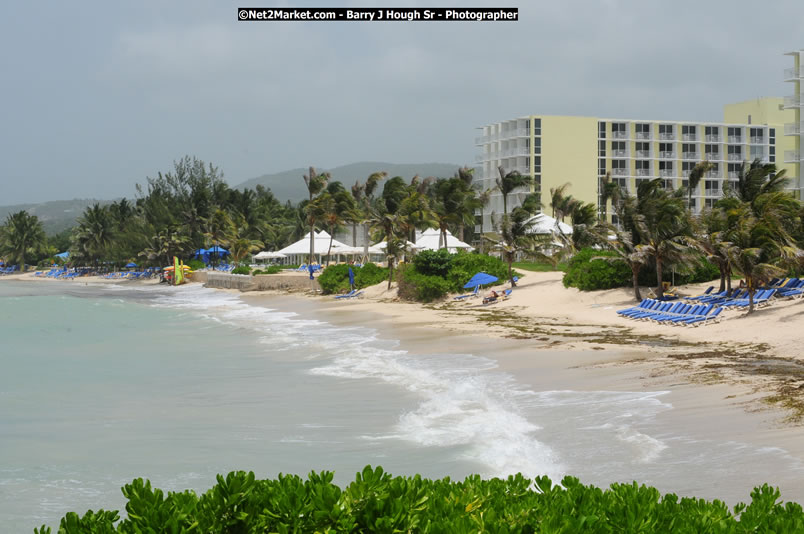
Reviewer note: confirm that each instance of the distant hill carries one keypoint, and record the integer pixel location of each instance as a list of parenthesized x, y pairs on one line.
[(289, 185), (56, 215)]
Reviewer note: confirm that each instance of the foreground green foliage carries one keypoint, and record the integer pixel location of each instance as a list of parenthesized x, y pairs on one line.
[(540, 266), (379, 502), (335, 278)]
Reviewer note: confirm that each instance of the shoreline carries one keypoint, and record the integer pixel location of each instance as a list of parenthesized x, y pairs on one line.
[(729, 410)]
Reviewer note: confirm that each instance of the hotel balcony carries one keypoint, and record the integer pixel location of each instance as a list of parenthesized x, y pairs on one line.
[(736, 139), (516, 151), (734, 174), (735, 157), (793, 128), (712, 156), (712, 192), (689, 137), (711, 138), (667, 172), (667, 136), (690, 155), (619, 135), (757, 140), (793, 102), (792, 74), (643, 172), (618, 153), (642, 135), (712, 174), (791, 156), (481, 157), (667, 155), (619, 172), (643, 153)]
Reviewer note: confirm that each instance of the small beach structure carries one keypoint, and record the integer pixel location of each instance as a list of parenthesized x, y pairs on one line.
[(542, 224), (299, 251), (430, 240)]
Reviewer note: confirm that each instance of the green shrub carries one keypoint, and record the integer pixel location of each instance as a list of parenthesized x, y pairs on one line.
[(335, 278), (465, 265), (242, 269), (271, 269), (433, 262), (195, 265), (376, 501), (587, 274), (414, 285), (701, 271)]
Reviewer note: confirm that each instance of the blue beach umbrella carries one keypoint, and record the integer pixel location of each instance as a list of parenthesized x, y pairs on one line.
[(218, 250), (480, 279), (131, 264), (63, 255), (351, 278)]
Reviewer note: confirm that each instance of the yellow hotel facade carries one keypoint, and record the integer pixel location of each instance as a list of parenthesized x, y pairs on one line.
[(554, 150)]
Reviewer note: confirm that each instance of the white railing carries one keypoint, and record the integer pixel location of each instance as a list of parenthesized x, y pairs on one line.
[(689, 137), (667, 136), (734, 174), (619, 172), (667, 172), (515, 132), (618, 153), (643, 153), (713, 138), (711, 192), (736, 139), (792, 128), (713, 174), (710, 156), (735, 157), (791, 156), (481, 140), (643, 172), (667, 155), (792, 101), (689, 155), (619, 135), (791, 73), (757, 140), (642, 135)]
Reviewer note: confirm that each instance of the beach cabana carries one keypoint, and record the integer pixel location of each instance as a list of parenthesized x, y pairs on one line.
[(299, 250), (429, 240), (266, 255), (543, 224)]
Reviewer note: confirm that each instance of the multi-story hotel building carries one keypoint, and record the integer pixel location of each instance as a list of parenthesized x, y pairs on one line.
[(554, 150), (794, 127)]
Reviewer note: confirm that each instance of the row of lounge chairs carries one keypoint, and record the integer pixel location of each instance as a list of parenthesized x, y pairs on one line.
[(673, 313), (9, 270), (353, 294)]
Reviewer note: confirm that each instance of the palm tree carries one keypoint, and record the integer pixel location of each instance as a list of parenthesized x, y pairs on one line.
[(663, 227), (315, 184), (166, 244), (21, 236), (365, 204), (710, 240), (241, 247), (755, 179), (94, 233), (558, 201), (220, 229), (514, 238), (694, 179), (609, 190), (508, 182)]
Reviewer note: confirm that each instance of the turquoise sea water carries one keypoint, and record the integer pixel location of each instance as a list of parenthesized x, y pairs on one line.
[(100, 385)]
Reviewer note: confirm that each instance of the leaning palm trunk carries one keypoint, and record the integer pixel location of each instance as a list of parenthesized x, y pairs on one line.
[(635, 281), (365, 243), (660, 289), (312, 243), (390, 270)]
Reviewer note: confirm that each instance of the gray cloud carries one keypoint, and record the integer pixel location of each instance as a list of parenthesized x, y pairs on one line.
[(101, 95)]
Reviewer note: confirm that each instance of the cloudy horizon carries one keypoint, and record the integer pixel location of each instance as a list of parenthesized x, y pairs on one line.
[(97, 96)]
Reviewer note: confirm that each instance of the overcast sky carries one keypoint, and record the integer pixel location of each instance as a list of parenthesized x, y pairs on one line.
[(98, 95)]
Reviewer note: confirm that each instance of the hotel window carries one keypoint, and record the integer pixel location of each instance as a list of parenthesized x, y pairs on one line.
[(757, 152), (712, 130), (643, 147), (735, 133), (688, 132), (537, 145), (665, 165), (618, 164), (735, 149), (618, 130), (665, 148), (537, 164), (618, 148), (756, 132), (688, 147), (601, 148), (711, 149), (537, 126), (601, 166), (666, 130), (772, 135), (643, 167), (687, 166), (643, 131), (601, 130), (711, 185)]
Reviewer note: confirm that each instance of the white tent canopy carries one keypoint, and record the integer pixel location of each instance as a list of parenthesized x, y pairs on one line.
[(265, 255), (301, 248), (429, 239), (350, 251), (380, 247), (544, 224)]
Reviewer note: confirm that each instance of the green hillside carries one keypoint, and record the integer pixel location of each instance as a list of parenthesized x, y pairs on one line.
[(56, 215), (289, 185)]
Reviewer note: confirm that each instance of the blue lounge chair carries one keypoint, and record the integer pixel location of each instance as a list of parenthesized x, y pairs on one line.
[(347, 295), (472, 294), (703, 319)]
